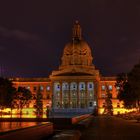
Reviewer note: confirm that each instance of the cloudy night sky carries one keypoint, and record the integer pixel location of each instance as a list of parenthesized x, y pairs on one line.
[(33, 34)]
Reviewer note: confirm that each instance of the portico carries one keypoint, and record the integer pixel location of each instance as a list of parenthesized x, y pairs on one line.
[(75, 83)]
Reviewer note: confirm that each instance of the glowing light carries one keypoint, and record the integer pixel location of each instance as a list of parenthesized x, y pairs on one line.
[(26, 113), (118, 110)]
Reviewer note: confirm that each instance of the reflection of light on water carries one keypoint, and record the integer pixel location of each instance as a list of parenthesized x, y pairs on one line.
[(22, 116), (6, 126), (26, 113)]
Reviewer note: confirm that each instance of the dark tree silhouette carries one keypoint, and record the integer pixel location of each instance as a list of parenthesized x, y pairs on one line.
[(22, 98), (134, 81), (125, 92), (39, 103), (108, 108), (7, 93), (129, 88)]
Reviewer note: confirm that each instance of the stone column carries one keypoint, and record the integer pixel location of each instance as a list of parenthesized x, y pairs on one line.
[(69, 96), (86, 94), (61, 100), (53, 96), (78, 95)]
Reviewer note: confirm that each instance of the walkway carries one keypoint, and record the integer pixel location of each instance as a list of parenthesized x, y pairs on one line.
[(112, 128)]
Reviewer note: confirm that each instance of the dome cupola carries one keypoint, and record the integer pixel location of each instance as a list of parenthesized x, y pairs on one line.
[(77, 57), (77, 52)]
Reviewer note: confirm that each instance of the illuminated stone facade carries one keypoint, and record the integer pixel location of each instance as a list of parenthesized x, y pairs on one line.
[(76, 86)]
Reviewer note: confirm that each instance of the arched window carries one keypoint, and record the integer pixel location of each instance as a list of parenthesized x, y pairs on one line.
[(73, 86), (65, 95), (41, 88), (56, 95), (90, 86), (65, 86), (90, 90), (82, 86), (73, 94), (57, 86), (82, 95)]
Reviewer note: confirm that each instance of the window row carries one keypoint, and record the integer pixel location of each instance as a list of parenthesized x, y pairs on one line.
[(42, 88), (110, 87), (73, 86), (75, 94)]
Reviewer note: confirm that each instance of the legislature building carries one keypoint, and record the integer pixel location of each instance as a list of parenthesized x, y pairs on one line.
[(76, 86)]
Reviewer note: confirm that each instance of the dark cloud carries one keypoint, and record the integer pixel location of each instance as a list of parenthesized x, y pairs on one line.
[(34, 33), (17, 34), (2, 48)]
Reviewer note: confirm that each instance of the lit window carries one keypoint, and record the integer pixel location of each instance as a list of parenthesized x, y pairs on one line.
[(118, 88), (90, 94), (110, 87), (82, 86), (28, 87), (103, 87), (95, 103), (41, 88), (90, 85), (58, 86), (58, 94), (48, 88)]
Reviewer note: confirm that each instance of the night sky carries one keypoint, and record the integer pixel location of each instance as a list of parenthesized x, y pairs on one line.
[(33, 34)]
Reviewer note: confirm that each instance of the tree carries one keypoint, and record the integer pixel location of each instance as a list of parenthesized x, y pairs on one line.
[(7, 92), (125, 92), (129, 88), (22, 98), (108, 108), (39, 103), (134, 81)]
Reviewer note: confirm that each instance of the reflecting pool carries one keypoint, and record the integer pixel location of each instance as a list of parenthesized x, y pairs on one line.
[(6, 126)]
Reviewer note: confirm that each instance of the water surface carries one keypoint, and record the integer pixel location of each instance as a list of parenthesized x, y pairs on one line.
[(7, 126)]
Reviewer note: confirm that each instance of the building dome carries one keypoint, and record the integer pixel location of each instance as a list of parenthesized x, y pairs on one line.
[(77, 57), (77, 52)]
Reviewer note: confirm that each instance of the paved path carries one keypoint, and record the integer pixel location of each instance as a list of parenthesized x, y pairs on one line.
[(112, 128), (31, 133)]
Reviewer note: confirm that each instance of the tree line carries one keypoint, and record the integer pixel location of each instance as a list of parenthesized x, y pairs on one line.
[(13, 98), (129, 88)]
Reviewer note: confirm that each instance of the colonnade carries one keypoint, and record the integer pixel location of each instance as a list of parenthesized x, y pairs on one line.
[(74, 95)]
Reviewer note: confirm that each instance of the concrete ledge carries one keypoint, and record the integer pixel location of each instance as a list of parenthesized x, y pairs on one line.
[(79, 118), (30, 133), (68, 135), (67, 123), (85, 123)]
